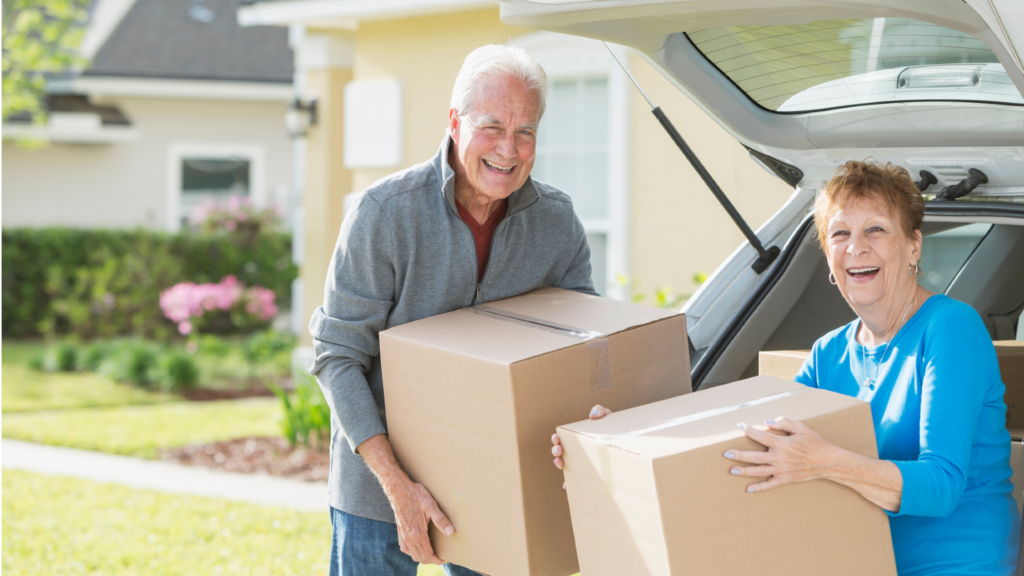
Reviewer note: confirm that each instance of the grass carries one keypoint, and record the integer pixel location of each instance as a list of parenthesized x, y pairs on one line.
[(25, 389), (143, 430), (59, 525)]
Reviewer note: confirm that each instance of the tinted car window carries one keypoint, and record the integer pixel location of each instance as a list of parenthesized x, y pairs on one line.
[(943, 254)]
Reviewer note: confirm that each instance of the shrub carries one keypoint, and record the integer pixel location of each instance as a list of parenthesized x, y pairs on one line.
[(92, 356), (236, 217), (106, 283), (133, 362), (60, 358), (223, 307), (176, 371), (307, 418)]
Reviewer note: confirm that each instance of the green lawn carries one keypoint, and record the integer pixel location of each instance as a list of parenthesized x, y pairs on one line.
[(25, 389), (143, 430), (59, 525)]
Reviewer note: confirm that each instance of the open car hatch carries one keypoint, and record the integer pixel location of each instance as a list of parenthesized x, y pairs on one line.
[(931, 85)]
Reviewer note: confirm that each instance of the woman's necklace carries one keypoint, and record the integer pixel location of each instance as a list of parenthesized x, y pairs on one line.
[(870, 382)]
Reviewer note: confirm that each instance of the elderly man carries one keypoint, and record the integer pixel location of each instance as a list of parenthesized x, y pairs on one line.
[(467, 226)]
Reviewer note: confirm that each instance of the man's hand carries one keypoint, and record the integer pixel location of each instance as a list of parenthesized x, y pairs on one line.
[(414, 507)]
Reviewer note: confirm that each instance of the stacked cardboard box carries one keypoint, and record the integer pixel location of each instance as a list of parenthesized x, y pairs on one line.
[(651, 493), (786, 364), (473, 397)]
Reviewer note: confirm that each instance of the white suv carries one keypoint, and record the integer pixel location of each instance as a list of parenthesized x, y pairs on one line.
[(931, 85)]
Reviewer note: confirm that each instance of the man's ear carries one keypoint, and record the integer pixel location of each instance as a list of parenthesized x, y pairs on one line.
[(453, 125)]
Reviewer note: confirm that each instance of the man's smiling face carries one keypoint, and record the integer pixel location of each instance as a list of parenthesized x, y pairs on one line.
[(496, 142)]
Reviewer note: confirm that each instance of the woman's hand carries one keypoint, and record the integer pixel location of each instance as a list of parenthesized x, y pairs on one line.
[(596, 413), (800, 456)]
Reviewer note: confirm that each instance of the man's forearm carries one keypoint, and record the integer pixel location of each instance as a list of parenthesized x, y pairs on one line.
[(376, 452)]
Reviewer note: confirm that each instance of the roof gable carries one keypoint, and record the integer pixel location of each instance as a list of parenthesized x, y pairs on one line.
[(170, 39)]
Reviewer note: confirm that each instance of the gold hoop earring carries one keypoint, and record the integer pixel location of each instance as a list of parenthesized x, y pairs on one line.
[(832, 279)]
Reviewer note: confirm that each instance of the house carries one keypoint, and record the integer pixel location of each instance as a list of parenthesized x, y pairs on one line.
[(179, 103), (382, 73)]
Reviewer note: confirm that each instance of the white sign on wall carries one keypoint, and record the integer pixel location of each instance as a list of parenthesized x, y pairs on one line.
[(373, 124)]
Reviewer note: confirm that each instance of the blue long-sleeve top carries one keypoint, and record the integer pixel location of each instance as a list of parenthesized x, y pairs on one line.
[(937, 401)]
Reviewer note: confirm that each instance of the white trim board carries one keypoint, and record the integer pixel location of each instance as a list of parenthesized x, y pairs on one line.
[(347, 14), (72, 135), (163, 88), (177, 151)]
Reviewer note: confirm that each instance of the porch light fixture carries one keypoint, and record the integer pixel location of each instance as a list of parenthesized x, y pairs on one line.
[(300, 117)]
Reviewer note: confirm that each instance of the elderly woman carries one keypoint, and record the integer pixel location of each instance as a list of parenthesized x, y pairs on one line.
[(926, 365)]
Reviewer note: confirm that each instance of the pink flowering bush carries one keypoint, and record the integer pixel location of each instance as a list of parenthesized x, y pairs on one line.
[(225, 307), (235, 216)]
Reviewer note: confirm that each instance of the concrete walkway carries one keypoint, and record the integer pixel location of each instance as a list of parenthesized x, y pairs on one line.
[(164, 476)]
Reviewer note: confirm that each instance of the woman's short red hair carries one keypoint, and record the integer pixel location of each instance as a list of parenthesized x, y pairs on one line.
[(868, 180)]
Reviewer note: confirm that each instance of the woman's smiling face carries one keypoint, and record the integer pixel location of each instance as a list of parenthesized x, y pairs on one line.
[(869, 254)]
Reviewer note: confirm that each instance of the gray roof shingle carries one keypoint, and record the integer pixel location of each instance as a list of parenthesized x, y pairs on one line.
[(168, 39)]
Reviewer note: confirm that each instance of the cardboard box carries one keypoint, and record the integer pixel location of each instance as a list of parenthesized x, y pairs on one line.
[(1011, 368), (1017, 466), (473, 397), (650, 492), (784, 364)]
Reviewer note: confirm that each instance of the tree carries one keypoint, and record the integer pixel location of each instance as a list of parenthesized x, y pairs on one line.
[(40, 37)]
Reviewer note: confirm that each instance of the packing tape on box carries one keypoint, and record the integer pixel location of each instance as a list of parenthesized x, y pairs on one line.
[(597, 344), (672, 423), (535, 323)]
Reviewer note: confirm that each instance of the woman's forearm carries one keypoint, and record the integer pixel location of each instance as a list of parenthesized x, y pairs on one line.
[(879, 481)]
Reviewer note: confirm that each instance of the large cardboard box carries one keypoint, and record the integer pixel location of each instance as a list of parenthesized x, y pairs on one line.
[(1017, 467), (786, 364), (1011, 368), (651, 494), (473, 397)]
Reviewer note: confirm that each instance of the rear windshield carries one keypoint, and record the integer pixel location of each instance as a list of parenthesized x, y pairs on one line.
[(838, 63)]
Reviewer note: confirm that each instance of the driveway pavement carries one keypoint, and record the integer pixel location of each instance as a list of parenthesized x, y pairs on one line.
[(164, 476)]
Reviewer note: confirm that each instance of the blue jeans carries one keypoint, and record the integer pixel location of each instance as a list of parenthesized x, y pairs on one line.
[(364, 547)]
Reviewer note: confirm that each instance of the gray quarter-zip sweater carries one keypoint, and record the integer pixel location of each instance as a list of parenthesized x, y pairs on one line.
[(404, 254)]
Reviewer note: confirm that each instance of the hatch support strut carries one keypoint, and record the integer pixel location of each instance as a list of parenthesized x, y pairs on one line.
[(765, 256)]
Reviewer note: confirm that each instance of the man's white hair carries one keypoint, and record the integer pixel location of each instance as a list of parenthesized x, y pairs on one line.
[(493, 61)]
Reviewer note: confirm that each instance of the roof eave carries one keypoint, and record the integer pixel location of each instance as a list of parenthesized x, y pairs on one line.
[(347, 14)]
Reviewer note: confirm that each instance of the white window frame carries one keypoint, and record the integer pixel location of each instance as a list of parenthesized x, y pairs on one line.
[(178, 151), (565, 57)]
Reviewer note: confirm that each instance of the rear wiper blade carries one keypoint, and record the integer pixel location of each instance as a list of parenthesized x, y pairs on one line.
[(765, 255)]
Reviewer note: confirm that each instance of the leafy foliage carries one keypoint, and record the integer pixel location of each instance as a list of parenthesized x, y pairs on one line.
[(663, 297), (307, 418), (134, 362), (106, 283), (60, 358), (176, 371), (39, 37)]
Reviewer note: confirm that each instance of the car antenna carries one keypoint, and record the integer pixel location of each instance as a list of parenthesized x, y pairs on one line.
[(765, 256)]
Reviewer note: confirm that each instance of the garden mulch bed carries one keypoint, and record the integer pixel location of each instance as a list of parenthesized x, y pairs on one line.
[(260, 455), (253, 389)]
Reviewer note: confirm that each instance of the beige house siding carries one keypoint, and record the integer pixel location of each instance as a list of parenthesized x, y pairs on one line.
[(678, 227), (125, 185), (425, 54)]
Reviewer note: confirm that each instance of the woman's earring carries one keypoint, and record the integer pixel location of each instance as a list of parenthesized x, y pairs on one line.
[(832, 279), (915, 269)]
